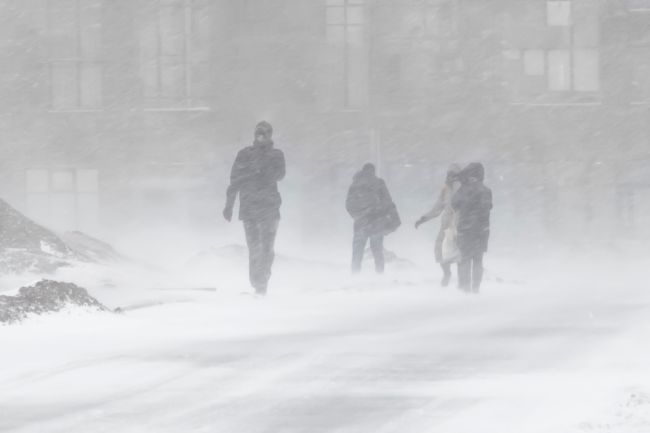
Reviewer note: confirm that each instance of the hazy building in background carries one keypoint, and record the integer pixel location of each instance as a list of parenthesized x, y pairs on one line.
[(116, 112)]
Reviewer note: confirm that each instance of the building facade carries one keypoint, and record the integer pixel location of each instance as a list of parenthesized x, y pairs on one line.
[(117, 112)]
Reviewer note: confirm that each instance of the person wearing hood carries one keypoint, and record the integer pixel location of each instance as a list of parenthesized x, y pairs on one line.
[(254, 177), (472, 204), (375, 215), (442, 208)]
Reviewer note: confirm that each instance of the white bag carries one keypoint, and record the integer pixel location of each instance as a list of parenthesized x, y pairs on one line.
[(450, 251)]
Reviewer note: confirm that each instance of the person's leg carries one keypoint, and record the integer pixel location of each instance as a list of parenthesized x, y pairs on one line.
[(268, 229), (446, 267), (438, 248), (477, 272), (465, 274), (358, 246), (446, 271), (377, 247), (254, 242)]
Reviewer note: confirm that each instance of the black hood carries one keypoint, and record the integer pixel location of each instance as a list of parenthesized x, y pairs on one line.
[(367, 172), (474, 170), (265, 131)]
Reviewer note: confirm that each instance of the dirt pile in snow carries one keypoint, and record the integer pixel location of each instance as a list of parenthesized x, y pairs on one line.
[(45, 297)]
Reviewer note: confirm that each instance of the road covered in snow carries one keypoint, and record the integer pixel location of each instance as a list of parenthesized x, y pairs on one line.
[(326, 353)]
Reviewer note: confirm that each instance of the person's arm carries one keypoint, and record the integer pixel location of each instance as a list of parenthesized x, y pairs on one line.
[(279, 166), (237, 177), (488, 200), (350, 203), (386, 200), (435, 212), (356, 203)]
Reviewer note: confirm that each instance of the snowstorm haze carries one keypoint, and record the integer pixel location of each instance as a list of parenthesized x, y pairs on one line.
[(120, 116), (122, 127)]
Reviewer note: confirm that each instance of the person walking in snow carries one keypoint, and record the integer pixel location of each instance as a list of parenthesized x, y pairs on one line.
[(375, 215), (255, 176), (447, 233), (472, 204)]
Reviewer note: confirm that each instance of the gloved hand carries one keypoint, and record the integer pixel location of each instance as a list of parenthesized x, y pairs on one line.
[(419, 222), (227, 213)]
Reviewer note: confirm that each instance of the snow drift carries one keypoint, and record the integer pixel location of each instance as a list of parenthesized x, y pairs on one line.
[(28, 247)]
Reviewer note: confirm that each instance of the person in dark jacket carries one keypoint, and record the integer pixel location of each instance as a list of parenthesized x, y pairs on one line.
[(472, 204), (442, 208), (255, 176), (370, 205)]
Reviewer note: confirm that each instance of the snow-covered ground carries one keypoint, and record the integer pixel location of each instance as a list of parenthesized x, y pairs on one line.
[(542, 349)]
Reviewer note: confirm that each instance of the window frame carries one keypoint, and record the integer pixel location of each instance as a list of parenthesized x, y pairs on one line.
[(159, 101), (638, 6), (576, 46), (77, 62), (346, 26), (46, 192)]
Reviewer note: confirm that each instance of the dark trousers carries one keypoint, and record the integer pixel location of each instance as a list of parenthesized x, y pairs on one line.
[(470, 273), (260, 237), (358, 248)]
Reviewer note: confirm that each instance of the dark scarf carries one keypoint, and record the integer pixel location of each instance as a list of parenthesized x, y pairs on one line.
[(263, 144)]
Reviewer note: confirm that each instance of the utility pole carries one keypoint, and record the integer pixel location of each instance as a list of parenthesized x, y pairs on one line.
[(375, 149)]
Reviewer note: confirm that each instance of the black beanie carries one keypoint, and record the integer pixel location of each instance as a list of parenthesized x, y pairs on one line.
[(265, 126)]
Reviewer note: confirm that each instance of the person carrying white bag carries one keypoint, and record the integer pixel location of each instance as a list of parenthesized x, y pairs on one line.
[(446, 250), (450, 251)]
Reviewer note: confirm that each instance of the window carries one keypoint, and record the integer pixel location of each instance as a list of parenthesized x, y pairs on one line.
[(638, 5), (558, 13), (346, 34), (559, 70), (256, 11), (75, 33), (564, 70), (641, 81), (583, 47), (586, 67), (66, 199), (561, 61), (576, 65), (638, 31), (534, 62), (175, 41), (576, 70)]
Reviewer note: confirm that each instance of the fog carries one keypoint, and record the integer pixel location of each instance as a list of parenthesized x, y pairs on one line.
[(122, 120), (122, 115)]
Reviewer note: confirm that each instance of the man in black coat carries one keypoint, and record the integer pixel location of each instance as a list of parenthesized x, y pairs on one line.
[(255, 176), (370, 205), (472, 204)]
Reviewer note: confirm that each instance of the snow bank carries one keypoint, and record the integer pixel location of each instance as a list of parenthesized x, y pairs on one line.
[(28, 248)]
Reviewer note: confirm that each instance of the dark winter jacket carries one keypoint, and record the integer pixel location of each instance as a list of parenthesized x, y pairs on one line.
[(472, 204), (370, 205), (254, 176)]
